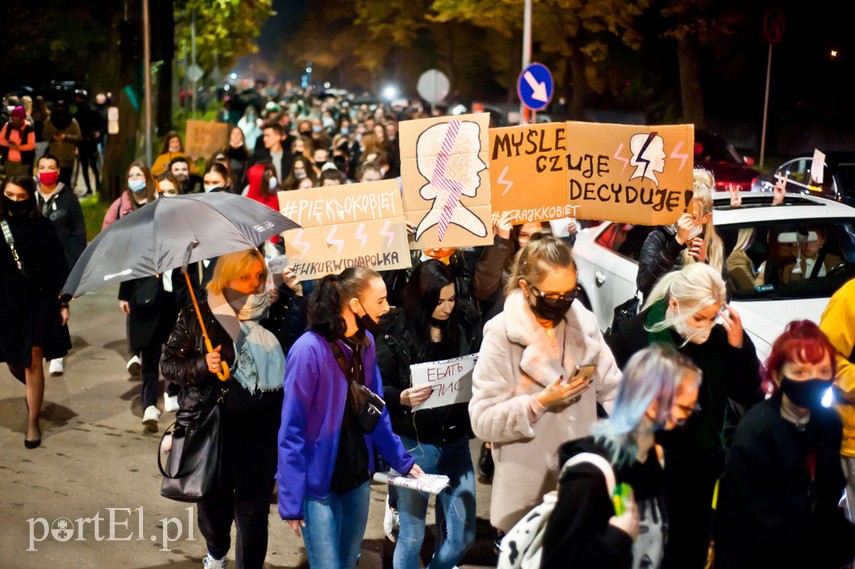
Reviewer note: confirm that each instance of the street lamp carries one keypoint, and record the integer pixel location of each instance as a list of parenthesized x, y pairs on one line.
[(390, 92)]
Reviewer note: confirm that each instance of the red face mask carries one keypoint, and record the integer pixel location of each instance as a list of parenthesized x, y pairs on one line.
[(48, 178)]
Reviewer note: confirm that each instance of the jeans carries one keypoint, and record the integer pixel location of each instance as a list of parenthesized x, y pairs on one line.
[(455, 506), (334, 528)]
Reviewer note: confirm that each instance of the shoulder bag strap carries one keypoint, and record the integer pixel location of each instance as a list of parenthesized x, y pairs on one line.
[(7, 234)]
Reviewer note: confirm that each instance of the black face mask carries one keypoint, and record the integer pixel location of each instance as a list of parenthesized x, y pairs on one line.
[(365, 322), (16, 208), (807, 394), (550, 309)]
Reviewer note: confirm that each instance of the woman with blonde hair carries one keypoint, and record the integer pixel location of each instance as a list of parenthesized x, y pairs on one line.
[(251, 330), (687, 309), (692, 239), (525, 398)]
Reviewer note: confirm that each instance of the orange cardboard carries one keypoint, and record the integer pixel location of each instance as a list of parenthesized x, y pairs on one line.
[(527, 175), (629, 173), (446, 184), (204, 138), (345, 226)]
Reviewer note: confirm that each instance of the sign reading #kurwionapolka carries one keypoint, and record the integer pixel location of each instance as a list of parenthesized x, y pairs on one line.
[(345, 226)]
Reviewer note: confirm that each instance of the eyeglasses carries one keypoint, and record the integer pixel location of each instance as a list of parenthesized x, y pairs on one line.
[(551, 297), (689, 411)]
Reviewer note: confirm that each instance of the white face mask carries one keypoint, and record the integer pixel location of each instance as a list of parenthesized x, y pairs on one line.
[(272, 183), (689, 333)]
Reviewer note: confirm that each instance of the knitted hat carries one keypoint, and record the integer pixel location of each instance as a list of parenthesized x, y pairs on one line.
[(18, 113)]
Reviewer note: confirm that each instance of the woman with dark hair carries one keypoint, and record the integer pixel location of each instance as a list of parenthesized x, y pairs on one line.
[(326, 452), (251, 330), (62, 133), (33, 270), (217, 178), (778, 505), (140, 189), (172, 148), (150, 308), (237, 158), (301, 169), (431, 325)]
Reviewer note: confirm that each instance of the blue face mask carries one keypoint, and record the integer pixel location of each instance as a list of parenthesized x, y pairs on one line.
[(136, 186)]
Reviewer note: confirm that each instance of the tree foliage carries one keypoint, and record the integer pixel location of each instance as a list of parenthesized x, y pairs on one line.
[(225, 29)]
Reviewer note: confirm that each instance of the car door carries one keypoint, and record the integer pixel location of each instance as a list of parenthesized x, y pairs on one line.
[(616, 267)]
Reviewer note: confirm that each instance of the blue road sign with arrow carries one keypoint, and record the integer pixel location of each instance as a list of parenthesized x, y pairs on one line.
[(535, 86)]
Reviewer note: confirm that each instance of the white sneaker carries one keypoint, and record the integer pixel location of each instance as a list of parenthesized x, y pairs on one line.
[(211, 563), (391, 523), (134, 365), (56, 367), (170, 403), (151, 417)]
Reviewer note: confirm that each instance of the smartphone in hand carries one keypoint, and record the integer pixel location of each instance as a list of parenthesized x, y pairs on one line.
[(585, 372)]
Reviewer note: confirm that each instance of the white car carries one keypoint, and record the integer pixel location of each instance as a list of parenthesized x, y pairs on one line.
[(606, 259)]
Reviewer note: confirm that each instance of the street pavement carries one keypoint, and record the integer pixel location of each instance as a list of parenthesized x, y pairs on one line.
[(89, 496)]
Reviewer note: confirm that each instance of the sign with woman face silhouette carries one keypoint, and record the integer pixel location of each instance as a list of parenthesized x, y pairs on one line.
[(446, 185), (629, 173)]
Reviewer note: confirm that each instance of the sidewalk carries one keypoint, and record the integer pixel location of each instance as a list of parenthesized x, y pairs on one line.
[(97, 467)]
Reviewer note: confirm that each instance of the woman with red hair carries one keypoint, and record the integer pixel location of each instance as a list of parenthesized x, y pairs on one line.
[(780, 491)]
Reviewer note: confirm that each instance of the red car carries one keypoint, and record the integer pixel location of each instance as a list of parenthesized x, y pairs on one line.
[(729, 167)]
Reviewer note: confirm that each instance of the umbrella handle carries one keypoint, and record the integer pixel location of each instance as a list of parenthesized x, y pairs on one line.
[(226, 373)]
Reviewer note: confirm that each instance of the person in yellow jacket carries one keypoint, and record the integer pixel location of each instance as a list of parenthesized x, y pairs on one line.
[(838, 323)]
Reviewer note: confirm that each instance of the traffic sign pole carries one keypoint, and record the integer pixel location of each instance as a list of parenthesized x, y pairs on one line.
[(773, 28), (526, 49)]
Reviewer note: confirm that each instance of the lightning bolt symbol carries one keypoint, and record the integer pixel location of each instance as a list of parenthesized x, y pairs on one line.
[(390, 235), (296, 242), (335, 242), (617, 156), (508, 183), (360, 234), (675, 154)]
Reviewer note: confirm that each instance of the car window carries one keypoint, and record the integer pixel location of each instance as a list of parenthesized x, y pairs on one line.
[(624, 238), (799, 171), (789, 258)]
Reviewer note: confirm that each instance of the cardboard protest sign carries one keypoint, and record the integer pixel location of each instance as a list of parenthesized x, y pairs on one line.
[(451, 380), (629, 173), (446, 184), (527, 174), (345, 226), (204, 138)]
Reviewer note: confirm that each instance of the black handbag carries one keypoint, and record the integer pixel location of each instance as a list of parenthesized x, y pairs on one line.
[(192, 470), (626, 310), (366, 405)]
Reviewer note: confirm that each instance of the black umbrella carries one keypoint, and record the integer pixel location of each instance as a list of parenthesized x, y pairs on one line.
[(170, 233)]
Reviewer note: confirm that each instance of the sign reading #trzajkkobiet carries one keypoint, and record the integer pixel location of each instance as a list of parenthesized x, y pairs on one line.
[(629, 173)]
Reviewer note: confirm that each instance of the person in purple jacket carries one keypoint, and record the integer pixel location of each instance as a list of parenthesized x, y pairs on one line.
[(325, 455)]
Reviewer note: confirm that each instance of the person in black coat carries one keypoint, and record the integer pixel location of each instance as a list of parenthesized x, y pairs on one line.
[(58, 203), (251, 331), (685, 309), (274, 149), (34, 319), (659, 392), (692, 239), (432, 324), (778, 505)]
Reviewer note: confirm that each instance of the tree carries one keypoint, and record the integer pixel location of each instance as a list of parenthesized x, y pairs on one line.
[(570, 36), (225, 29)]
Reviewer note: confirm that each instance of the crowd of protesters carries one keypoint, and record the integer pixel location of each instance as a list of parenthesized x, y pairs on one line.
[(602, 450)]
